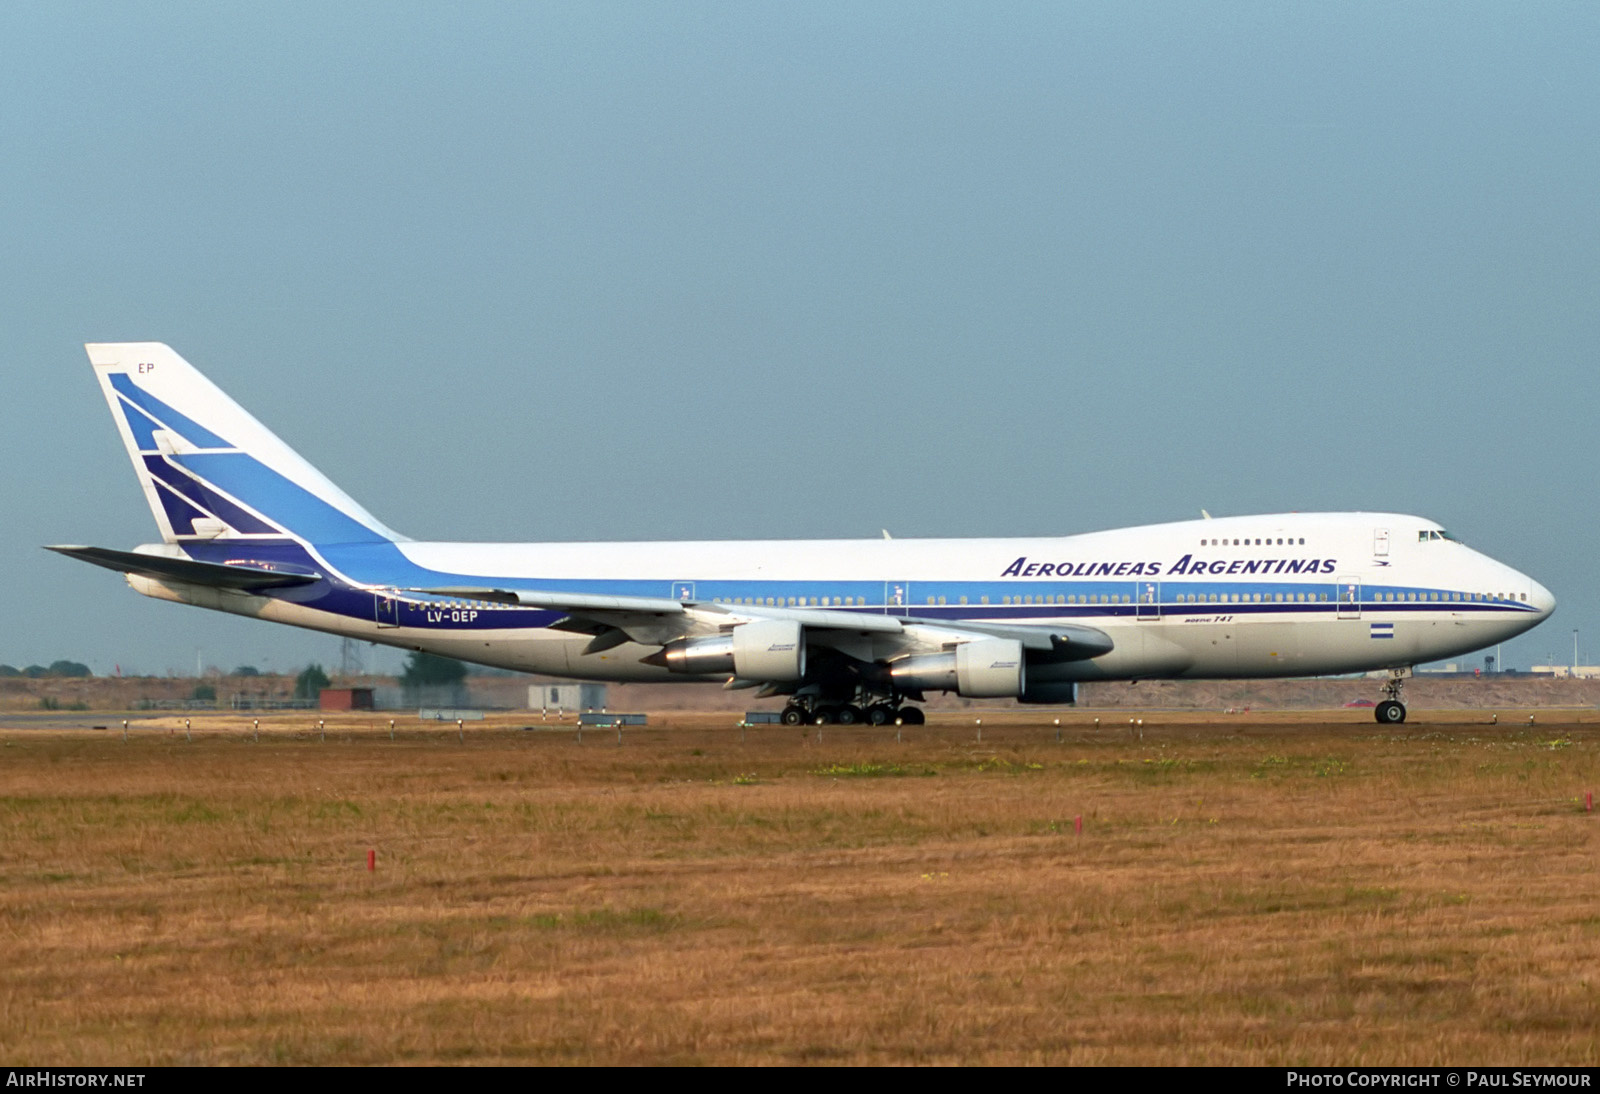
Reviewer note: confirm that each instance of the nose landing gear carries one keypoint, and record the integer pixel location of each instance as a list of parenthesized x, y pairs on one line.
[(1391, 712)]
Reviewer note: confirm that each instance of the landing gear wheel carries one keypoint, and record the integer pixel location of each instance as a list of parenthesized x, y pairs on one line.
[(793, 716), (879, 715), (825, 716), (847, 715), (1390, 713), (912, 716)]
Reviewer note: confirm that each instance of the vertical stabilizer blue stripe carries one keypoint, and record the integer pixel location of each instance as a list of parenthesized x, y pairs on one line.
[(201, 494), (285, 503), (143, 426), (195, 434), (181, 514)]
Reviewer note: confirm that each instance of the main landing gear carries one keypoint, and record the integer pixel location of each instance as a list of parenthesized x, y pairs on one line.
[(872, 710), (1391, 712)]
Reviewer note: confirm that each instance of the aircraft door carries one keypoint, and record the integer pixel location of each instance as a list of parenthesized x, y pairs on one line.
[(1347, 591), (1380, 543), (897, 597), (386, 608), (683, 590), (1147, 599)]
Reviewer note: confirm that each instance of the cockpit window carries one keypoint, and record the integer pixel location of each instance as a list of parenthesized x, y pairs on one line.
[(1435, 533)]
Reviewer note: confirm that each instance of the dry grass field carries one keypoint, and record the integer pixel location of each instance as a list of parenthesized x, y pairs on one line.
[(1262, 889)]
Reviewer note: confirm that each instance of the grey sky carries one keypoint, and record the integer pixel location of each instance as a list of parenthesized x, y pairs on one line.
[(757, 270)]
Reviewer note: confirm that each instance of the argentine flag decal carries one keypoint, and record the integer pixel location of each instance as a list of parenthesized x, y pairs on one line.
[(1383, 630)]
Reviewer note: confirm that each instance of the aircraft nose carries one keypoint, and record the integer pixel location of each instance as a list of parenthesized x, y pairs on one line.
[(1541, 598)]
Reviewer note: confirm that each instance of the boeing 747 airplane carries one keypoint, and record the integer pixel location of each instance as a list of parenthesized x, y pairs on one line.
[(847, 630)]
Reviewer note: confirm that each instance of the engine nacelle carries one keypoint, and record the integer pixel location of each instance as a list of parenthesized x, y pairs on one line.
[(766, 650), (769, 649), (1064, 693), (990, 668)]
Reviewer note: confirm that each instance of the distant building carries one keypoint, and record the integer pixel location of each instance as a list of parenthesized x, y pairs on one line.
[(345, 699), (565, 697), (1581, 672)]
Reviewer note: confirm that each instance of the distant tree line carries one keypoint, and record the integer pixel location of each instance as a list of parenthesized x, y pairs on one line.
[(422, 670), (428, 678), (55, 668), (310, 682), (430, 670)]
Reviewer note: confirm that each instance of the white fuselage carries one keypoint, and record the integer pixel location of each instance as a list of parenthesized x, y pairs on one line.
[(1275, 595)]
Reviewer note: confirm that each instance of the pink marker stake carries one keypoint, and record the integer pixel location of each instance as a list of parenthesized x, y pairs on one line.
[(372, 861), (1077, 824)]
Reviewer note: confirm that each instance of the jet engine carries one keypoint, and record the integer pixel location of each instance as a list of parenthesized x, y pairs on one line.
[(766, 650), (989, 668), (1063, 693)]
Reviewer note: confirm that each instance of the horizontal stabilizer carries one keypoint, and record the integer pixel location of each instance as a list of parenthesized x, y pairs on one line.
[(231, 575)]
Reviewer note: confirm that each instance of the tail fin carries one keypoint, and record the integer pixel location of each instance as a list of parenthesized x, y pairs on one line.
[(209, 470)]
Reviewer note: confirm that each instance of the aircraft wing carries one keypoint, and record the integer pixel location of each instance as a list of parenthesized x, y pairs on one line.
[(1069, 641), (657, 621), (244, 575)]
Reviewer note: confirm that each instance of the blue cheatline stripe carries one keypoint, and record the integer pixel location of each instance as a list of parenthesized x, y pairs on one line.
[(200, 494), (196, 434), (144, 427), (288, 505)]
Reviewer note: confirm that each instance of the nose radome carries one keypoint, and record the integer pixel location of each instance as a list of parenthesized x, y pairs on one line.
[(1541, 598)]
